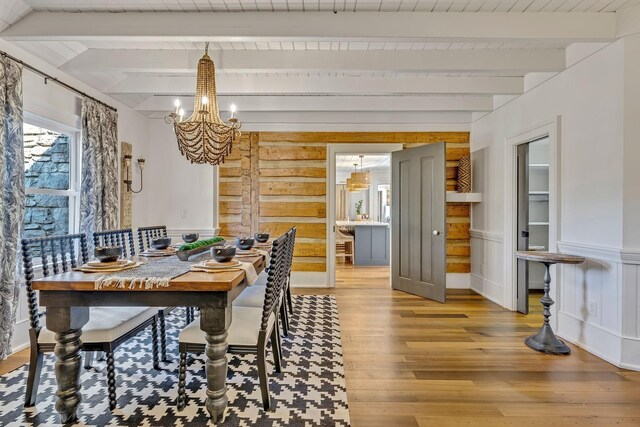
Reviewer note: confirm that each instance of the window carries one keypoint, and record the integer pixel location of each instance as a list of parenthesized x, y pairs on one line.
[(51, 179)]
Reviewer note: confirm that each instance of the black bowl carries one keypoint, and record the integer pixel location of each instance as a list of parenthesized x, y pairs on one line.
[(244, 243), (107, 253), (190, 237), (223, 253), (161, 243), (261, 237)]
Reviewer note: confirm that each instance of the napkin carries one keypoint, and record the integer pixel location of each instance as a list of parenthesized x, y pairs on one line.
[(250, 272), (265, 254)]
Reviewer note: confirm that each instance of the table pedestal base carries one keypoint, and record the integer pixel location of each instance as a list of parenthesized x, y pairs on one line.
[(547, 342)]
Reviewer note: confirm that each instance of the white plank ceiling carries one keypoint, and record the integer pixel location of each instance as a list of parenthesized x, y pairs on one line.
[(288, 77), (329, 5), (370, 162)]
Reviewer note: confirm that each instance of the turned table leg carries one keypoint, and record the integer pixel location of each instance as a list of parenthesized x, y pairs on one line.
[(67, 324), (545, 340), (215, 323)]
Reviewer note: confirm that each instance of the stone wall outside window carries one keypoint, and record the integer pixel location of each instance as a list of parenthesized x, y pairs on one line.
[(47, 162)]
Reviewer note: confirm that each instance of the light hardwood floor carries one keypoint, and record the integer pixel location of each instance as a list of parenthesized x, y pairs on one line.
[(413, 362)]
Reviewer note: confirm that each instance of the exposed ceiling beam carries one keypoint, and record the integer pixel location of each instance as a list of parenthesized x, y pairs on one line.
[(174, 26), (330, 103), (516, 61), (354, 117), (277, 85)]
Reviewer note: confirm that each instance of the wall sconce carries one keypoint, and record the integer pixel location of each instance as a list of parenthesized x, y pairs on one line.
[(127, 168)]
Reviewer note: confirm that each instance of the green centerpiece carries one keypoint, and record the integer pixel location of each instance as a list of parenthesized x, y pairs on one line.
[(185, 251)]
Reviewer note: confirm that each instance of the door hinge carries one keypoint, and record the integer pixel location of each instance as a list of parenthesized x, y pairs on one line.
[(524, 234)]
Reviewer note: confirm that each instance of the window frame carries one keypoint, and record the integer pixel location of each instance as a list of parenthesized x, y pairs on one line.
[(75, 164)]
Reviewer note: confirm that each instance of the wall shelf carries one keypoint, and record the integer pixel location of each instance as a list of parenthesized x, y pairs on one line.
[(454, 196)]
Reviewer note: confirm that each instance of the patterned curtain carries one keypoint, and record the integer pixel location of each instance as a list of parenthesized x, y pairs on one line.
[(12, 200), (99, 187)]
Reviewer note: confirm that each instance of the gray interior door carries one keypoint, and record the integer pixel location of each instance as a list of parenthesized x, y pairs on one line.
[(523, 227), (418, 233)]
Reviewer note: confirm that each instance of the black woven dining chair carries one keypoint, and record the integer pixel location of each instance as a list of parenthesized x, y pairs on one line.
[(147, 234), (254, 295), (122, 237), (108, 327), (252, 328)]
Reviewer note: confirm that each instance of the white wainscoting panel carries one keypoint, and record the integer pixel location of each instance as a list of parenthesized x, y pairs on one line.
[(599, 303), (487, 252)]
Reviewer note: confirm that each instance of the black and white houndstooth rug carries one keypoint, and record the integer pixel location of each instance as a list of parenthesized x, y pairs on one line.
[(310, 392)]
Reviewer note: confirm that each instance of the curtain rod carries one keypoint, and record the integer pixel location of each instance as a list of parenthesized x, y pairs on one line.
[(54, 79)]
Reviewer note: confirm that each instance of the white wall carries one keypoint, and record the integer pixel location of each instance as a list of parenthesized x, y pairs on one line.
[(183, 193), (53, 102), (598, 120)]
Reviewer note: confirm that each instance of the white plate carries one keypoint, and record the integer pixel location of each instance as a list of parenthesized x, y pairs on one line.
[(113, 264), (217, 265), (246, 251)]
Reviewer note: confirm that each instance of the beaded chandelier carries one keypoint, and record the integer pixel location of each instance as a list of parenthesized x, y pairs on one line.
[(204, 137)]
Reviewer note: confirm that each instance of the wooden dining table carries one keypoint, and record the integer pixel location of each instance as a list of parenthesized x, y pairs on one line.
[(68, 296)]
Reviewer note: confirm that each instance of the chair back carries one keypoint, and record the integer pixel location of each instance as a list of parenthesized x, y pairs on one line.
[(147, 234), (63, 253), (276, 276), (290, 248), (122, 238)]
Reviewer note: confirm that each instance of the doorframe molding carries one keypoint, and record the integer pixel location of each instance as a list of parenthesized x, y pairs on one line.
[(332, 150), (551, 130)]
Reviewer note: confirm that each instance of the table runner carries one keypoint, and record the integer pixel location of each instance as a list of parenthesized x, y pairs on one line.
[(147, 276), (159, 273)]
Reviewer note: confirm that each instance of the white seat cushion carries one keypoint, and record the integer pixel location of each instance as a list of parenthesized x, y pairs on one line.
[(244, 329), (252, 296), (262, 280), (106, 324)]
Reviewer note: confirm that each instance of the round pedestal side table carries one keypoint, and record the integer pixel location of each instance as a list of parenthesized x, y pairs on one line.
[(545, 340)]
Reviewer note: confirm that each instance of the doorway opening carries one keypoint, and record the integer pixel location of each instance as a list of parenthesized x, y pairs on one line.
[(376, 155), (532, 219), (362, 220)]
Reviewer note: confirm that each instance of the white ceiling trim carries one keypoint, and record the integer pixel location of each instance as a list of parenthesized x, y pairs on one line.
[(518, 62), (329, 103), (258, 85), (402, 26)]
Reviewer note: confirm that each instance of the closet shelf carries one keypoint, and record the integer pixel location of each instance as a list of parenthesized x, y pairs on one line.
[(538, 223)]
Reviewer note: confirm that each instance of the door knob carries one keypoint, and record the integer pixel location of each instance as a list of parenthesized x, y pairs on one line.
[(437, 233)]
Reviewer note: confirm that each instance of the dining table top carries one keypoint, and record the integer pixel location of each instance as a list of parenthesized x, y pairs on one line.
[(193, 281)]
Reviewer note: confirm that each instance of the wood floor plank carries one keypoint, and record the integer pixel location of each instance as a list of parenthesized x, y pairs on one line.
[(464, 363)]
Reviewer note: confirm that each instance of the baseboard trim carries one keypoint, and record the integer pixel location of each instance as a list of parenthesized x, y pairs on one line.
[(458, 281), (309, 279), (479, 280), (20, 339), (596, 340)]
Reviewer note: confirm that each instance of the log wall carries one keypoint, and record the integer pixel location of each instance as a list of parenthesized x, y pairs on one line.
[(274, 180)]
